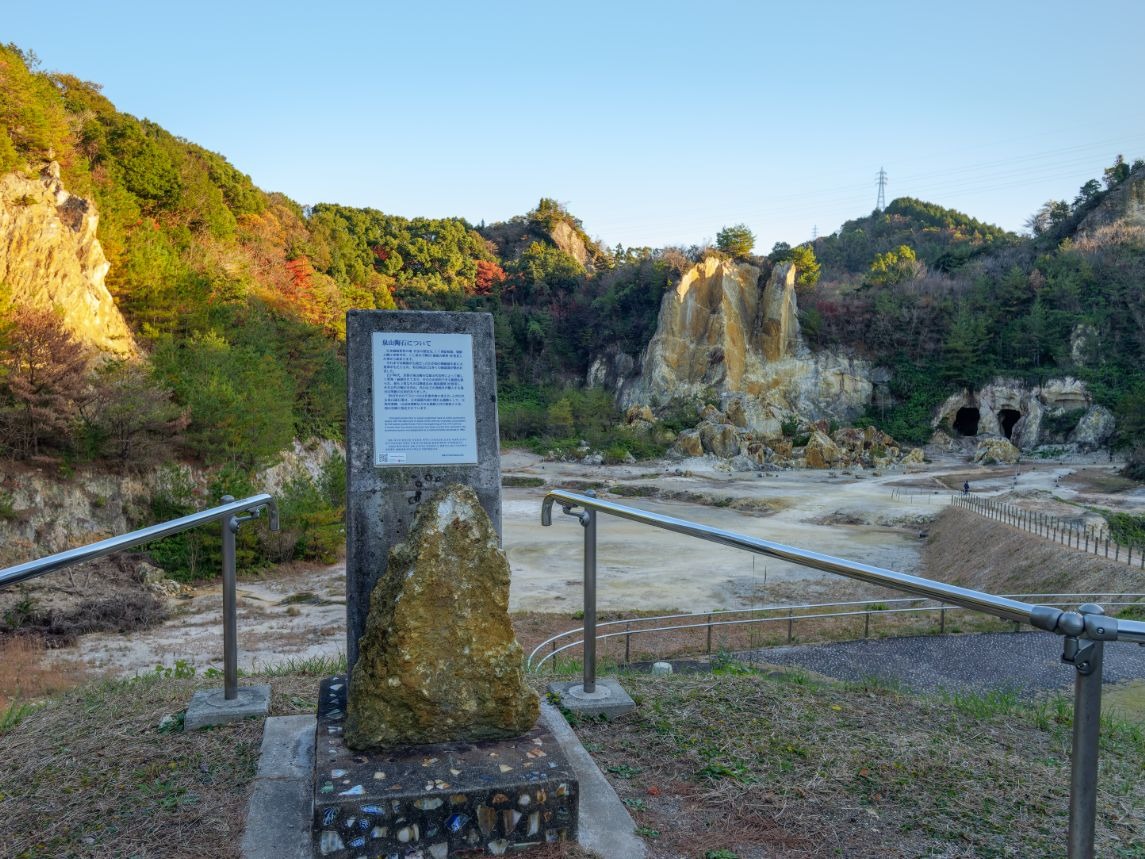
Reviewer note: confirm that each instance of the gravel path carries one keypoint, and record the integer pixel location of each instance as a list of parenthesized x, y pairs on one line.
[(1028, 663)]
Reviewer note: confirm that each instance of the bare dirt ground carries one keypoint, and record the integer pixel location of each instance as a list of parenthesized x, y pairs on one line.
[(873, 517)]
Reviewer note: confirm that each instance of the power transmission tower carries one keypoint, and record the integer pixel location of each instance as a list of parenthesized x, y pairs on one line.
[(814, 232), (882, 180)]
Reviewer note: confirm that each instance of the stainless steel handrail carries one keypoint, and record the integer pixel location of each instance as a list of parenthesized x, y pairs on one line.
[(1056, 600), (225, 513), (1084, 631)]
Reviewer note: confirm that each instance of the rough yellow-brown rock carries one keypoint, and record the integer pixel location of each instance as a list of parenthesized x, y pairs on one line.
[(438, 661), (942, 441), (720, 439), (821, 452), (996, 450), (779, 324), (703, 328), (639, 413), (736, 412), (688, 443), (915, 457), (50, 258), (724, 330), (567, 239), (782, 447)]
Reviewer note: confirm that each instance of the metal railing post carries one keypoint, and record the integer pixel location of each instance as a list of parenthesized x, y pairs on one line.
[(589, 523), (1086, 656), (230, 622)]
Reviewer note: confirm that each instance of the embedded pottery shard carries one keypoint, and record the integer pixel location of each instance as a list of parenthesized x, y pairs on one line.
[(438, 660)]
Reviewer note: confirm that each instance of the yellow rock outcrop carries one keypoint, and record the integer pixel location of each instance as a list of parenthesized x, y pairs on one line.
[(50, 258)]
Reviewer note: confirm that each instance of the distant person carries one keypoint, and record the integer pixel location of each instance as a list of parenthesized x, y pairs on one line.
[(966, 488)]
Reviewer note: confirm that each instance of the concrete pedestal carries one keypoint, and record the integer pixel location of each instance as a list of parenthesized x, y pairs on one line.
[(441, 799)]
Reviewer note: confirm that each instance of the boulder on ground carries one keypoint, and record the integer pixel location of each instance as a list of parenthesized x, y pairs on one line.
[(996, 450), (915, 457), (688, 443), (438, 660), (722, 440), (821, 452)]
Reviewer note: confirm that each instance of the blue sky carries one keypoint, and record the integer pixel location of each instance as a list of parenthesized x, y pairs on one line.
[(656, 123)]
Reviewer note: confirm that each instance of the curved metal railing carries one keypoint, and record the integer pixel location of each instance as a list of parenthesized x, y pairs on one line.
[(1084, 631), (902, 605), (226, 513)]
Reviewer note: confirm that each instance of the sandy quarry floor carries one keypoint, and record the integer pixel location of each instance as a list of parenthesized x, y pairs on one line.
[(875, 518)]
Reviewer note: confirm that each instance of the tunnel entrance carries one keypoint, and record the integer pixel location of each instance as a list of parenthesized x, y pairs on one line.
[(1006, 419), (966, 421)]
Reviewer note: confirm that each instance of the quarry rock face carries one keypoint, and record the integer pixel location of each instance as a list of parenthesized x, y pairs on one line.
[(566, 238), (1029, 416), (51, 259), (725, 333), (438, 661), (1094, 430)]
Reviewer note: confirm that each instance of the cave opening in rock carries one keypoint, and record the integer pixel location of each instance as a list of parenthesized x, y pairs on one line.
[(1006, 420), (966, 421)]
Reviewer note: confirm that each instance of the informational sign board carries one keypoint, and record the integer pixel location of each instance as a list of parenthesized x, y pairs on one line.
[(423, 399), (421, 415)]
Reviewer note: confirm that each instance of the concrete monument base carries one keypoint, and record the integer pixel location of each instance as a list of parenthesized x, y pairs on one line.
[(441, 799)]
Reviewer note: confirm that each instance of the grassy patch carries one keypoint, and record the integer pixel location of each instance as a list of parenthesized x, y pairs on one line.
[(766, 766), (106, 770), (520, 481)]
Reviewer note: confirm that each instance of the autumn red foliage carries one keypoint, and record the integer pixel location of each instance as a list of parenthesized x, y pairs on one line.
[(489, 274)]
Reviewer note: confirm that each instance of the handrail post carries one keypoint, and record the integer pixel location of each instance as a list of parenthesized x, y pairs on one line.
[(230, 623), (588, 520), (1086, 656)]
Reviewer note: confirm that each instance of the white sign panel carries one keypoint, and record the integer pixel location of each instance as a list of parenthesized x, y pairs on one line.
[(424, 412)]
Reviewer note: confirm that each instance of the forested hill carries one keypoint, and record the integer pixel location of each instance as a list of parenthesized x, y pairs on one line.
[(948, 302), (237, 297)]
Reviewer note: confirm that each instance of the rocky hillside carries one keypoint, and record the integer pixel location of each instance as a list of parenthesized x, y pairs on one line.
[(51, 259), (233, 304)]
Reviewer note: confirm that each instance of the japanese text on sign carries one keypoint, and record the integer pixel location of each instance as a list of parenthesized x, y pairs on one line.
[(423, 399)]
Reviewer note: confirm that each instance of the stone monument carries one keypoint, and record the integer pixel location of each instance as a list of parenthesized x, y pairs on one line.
[(433, 747)]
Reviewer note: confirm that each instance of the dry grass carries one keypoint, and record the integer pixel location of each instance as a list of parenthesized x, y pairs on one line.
[(778, 766), (94, 772), (1100, 480), (966, 549), (23, 675)]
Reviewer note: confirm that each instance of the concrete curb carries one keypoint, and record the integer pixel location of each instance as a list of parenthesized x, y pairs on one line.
[(604, 824), (281, 805)]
